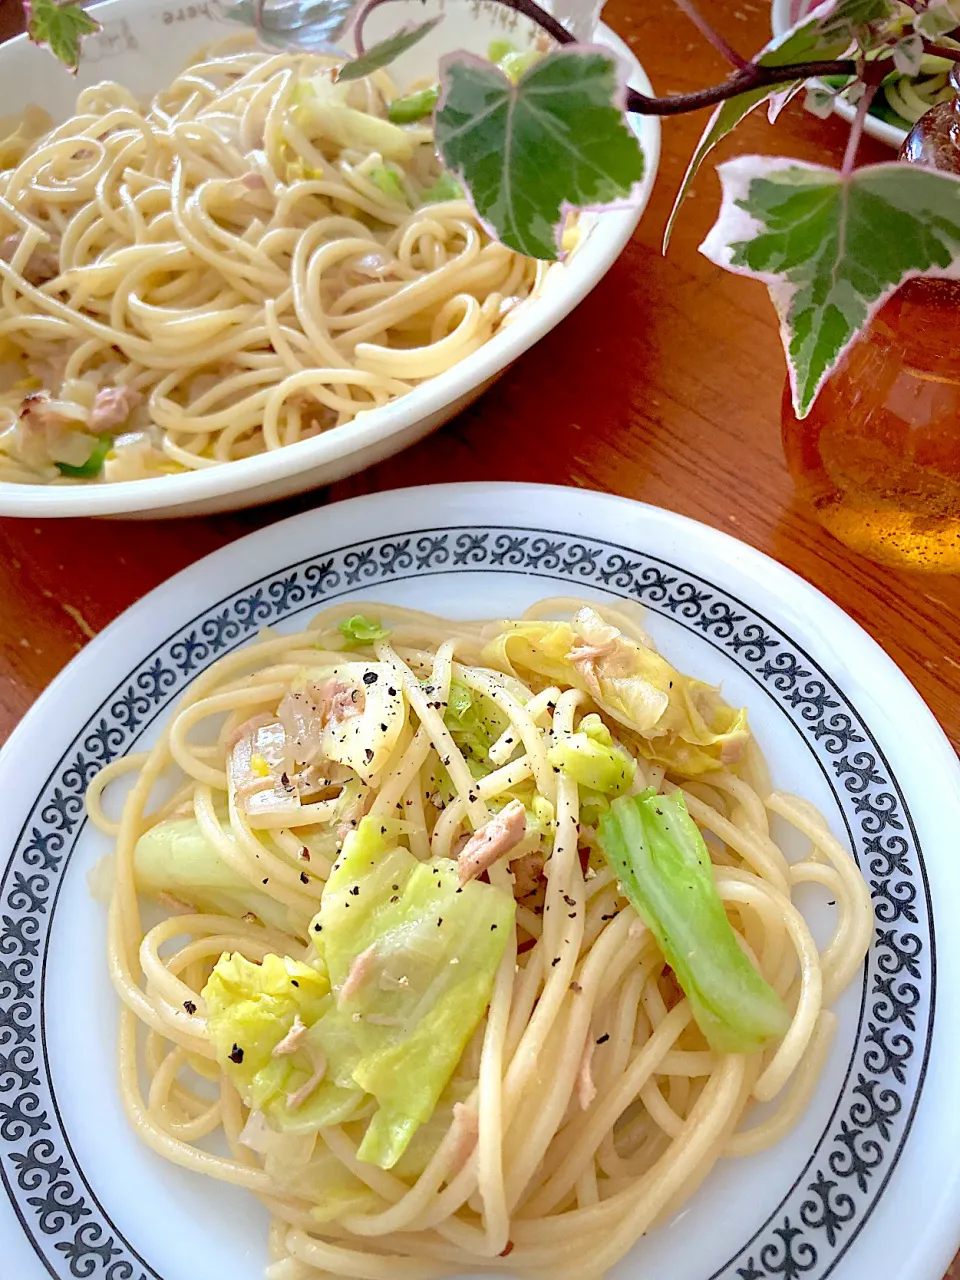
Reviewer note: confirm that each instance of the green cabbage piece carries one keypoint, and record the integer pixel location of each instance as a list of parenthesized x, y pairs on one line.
[(430, 953), (428, 1137), (591, 759), (498, 49), (413, 106), (319, 108), (388, 181), (680, 722), (446, 187), (250, 1009), (593, 806), (657, 852), (90, 469), (360, 630), (175, 858), (475, 721), (511, 61), (515, 63)]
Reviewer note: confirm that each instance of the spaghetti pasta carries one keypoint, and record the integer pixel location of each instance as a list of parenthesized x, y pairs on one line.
[(256, 256), (589, 1099)]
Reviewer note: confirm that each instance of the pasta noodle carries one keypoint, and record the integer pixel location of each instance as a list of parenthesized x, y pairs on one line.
[(591, 1104), (256, 256)]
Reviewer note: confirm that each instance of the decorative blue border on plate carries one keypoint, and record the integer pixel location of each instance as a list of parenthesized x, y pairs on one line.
[(845, 1176)]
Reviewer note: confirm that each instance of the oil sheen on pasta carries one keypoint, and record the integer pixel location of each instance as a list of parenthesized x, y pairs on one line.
[(370, 935), (254, 257)]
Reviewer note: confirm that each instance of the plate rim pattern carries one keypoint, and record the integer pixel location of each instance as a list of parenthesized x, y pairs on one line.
[(844, 1178)]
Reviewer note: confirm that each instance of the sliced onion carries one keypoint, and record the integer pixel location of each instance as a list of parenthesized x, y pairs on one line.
[(263, 798)]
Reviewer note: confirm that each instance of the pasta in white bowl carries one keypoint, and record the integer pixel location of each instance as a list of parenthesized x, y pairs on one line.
[(256, 266)]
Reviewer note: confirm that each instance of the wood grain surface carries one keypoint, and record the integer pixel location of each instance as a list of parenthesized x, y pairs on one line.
[(671, 386)]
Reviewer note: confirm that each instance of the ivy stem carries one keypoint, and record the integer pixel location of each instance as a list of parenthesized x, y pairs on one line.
[(856, 129), (753, 76), (941, 51), (749, 76), (710, 33)]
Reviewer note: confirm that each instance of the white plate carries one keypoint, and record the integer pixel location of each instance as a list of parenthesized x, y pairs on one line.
[(892, 134), (144, 44), (868, 1185)]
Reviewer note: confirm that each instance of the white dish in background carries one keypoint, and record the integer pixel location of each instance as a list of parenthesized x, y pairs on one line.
[(867, 1185), (144, 43), (892, 134)]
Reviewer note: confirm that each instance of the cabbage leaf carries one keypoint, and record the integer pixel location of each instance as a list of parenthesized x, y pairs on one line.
[(679, 722), (412, 959), (660, 858)]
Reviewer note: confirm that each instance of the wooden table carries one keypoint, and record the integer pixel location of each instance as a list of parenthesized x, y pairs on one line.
[(673, 374)]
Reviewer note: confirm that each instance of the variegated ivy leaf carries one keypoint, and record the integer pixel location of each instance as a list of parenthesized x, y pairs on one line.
[(819, 101), (832, 250), (804, 42), (386, 51), (851, 17), (854, 92), (527, 152), (780, 98), (61, 26), (937, 19), (908, 55)]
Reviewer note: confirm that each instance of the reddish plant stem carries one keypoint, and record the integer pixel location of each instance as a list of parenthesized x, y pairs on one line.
[(710, 33), (941, 51), (856, 129), (750, 76)]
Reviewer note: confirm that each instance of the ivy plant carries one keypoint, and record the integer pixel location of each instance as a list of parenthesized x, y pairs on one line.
[(531, 136)]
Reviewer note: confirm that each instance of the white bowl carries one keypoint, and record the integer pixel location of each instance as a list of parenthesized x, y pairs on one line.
[(144, 43), (892, 134)]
